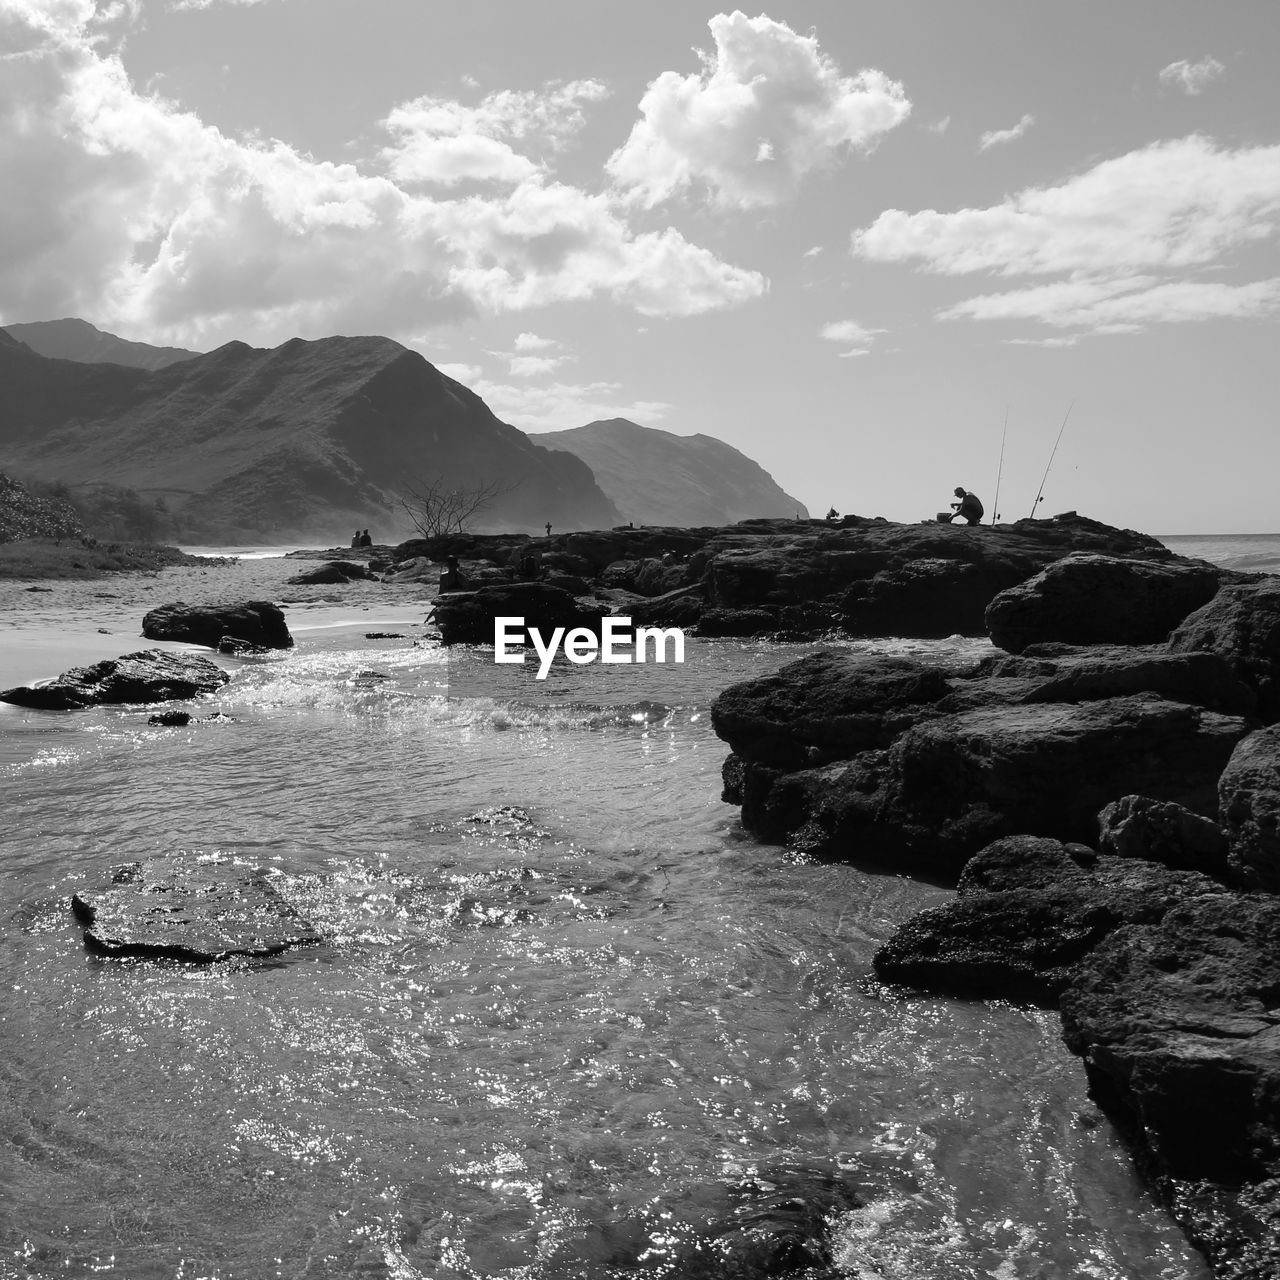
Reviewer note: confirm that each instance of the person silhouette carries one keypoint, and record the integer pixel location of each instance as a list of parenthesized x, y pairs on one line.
[(548, 528)]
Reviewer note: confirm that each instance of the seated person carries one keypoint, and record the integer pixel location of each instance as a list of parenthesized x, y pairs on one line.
[(451, 579), (969, 508)]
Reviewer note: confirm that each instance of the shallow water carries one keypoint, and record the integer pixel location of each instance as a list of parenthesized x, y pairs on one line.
[(562, 1000), (1247, 552)]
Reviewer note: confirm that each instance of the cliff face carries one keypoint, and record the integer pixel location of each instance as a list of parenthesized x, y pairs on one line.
[(657, 478), (73, 339), (308, 439)]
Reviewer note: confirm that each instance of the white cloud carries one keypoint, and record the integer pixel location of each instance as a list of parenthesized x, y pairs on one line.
[(532, 366), (814, 252), (939, 126), (141, 217), (767, 108), (559, 406), (531, 342), (466, 374), (848, 331), (441, 141), (1192, 77), (1126, 236), (997, 137)]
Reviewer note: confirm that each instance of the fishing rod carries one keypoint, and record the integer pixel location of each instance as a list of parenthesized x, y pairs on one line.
[(1054, 454), (995, 506)]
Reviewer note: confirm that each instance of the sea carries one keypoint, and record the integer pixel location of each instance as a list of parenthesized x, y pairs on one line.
[(562, 1002)]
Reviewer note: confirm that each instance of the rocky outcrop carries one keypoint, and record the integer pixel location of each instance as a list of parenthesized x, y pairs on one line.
[(150, 675), (1164, 832), (199, 914), (1027, 912), (333, 572), (258, 622), (1249, 806), (895, 761), (1086, 599), (467, 617), (1242, 625)]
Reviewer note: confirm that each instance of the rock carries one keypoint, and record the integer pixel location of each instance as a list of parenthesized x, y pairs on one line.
[(825, 707), (1249, 808), (1085, 598), (1177, 1028), (172, 719), (1241, 624), (714, 623), (654, 578), (385, 635), (1028, 910), (257, 621), (1164, 832), (332, 572), (467, 617), (199, 913), (150, 675), (241, 648)]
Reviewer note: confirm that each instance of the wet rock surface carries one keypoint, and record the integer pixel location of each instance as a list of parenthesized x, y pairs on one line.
[(333, 571), (467, 617), (1164, 832), (198, 913), (150, 675), (256, 621)]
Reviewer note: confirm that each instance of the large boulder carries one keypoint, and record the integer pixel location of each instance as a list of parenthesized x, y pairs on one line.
[(1249, 808), (333, 572), (1176, 1025), (467, 617), (257, 621), (200, 913), (1164, 832), (1086, 598), (150, 675), (1028, 910), (1242, 624)]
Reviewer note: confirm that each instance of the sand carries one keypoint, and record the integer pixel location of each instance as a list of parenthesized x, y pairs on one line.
[(73, 622)]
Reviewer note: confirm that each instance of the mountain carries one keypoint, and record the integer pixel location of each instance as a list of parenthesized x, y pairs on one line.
[(306, 440), (655, 477), (79, 340)]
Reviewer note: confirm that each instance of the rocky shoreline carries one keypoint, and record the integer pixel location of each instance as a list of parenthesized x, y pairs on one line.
[(1104, 789)]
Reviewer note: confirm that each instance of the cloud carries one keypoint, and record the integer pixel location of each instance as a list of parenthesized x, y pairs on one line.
[(767, 109), (858, 336), (441, 141), (939, 126), (1127, 237), (532, 366), (998, 137), (140, 216), (531, 342), (559, 405), (1192, 77), (464, 373), (814, 252)]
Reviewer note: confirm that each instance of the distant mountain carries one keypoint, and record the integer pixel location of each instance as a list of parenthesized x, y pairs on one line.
[(308, 440), (655, 477), (79, 340)]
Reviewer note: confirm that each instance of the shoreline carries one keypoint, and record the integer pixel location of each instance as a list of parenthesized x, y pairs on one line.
[(49, 625)]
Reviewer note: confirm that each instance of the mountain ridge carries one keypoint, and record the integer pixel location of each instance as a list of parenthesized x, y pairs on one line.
[(74, 339), (660, 478)]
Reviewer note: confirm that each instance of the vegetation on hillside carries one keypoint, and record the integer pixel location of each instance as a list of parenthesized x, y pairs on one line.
[(51, 558)]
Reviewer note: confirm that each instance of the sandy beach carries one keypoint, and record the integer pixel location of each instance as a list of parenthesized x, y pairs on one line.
[(48, 626)]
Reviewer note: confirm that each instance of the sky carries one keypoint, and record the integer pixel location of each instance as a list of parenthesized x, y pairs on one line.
[(884, 247)]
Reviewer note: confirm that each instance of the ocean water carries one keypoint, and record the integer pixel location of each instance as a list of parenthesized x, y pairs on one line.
[(562, 1001), (1248, 552)]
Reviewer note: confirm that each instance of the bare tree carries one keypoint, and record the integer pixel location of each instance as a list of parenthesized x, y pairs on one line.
[(436, 507)]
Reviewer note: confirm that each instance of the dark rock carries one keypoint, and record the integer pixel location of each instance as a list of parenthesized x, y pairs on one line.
[(825, 707), (333, 572), (150, 675), (1063, 673), (714, 623), (1177, 1026), (682, 608), (384, 635), (1242, 624), (173, 719), (1028, 910), (258, 621), (654, 578), (466, 617), (241, 648), (1086, 599), (1249, 808), (1164, 832), (198, 913), (567, 582)]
